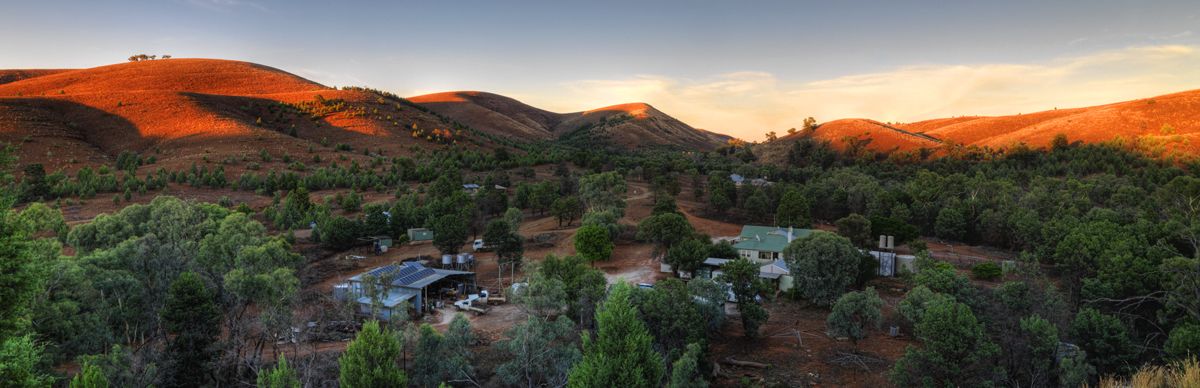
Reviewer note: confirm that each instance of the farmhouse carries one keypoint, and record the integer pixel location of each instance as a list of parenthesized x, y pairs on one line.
[(764, 244), (405, 282), (775, 272)]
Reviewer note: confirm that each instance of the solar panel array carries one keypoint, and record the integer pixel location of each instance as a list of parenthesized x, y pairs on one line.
[(384, 271), (412, 273), (402, 275)]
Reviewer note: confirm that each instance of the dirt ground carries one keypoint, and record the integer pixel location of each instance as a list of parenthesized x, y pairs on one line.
[(797, 351)]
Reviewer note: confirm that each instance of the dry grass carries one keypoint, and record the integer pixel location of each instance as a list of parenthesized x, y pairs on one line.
[(1162, 127), (1185, 373), (187, 111), (500, 115)]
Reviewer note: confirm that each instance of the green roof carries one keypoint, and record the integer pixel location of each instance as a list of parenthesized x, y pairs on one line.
[(767, 238)]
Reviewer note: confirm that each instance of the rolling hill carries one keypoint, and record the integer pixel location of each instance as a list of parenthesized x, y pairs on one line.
[(1162, 126), (184, 111), (631, 125)]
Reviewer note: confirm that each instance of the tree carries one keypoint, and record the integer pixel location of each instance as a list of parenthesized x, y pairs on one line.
[(687, 256), (664, 230), (854, 313), (664, 203), (1179, 202), (793, 210), (491, 201), (90, 376), (35, 187), (496, 230), (719, 202), (1074, 371), (449, 233), (710, 299), (1060, 143), (955, 351), (370, 360), (621, 354), (951, 223), (1106, 339), (824, 266), (296, 209), (456, 349), (264, 276), (338, 233), (1182, 285), (23, 257), (603, 191), (606, 219), (685, 372), (428, 367), (513, 216), (191, 314), (538, 352), (19, 359), (941, 277), (593, 244), (722, 193), (917, 300), (743, 277), (566, 209), (810, 123), (758, 205), (1183, 341), (584, 287), (671, 315), (856, 228), (281, 376), (1034, 355), (986, 271)]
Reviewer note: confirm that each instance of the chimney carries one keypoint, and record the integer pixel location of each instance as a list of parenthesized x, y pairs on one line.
[(789, 236)]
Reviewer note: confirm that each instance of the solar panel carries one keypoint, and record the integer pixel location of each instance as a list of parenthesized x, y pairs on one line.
[(408, 273), (384, 270)]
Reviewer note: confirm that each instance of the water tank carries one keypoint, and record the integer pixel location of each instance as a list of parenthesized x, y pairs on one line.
[(341, 291), (447, 259), (462, 258)]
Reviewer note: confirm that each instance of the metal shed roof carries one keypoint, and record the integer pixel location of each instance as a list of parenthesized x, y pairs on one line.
[(392, 299), (715, 261), (410, 275)]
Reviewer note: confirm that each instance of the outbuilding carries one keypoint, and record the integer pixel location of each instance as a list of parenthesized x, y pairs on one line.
[(409, 282)]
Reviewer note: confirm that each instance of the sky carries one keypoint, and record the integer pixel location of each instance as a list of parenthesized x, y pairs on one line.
[(738, 67)]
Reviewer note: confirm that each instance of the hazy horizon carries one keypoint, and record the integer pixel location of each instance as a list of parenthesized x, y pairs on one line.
[(740, 69)]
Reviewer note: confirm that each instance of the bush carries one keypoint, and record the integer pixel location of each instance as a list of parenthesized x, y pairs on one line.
[(986, 271), (854, 314)]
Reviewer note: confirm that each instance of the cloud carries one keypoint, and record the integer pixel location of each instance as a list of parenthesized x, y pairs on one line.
[(748, 104)]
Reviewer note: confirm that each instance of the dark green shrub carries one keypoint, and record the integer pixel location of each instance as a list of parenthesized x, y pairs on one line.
[(986, 271)]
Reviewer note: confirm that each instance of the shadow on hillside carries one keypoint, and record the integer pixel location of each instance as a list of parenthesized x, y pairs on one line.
[(71, 125)]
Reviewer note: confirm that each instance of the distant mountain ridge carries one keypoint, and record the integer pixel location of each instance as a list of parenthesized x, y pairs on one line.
[(1161, 126), (632, 125)]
